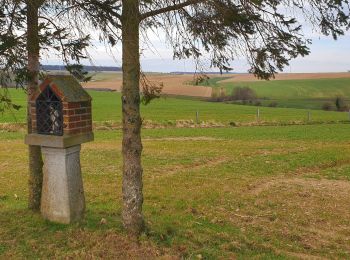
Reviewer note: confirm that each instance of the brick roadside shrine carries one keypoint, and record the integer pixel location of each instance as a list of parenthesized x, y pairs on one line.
[(60, 122)]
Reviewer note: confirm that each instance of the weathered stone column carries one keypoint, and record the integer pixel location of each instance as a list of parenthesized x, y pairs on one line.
[(63, 198)]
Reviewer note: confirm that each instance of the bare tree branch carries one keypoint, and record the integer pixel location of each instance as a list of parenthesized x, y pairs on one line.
[(170, 8)]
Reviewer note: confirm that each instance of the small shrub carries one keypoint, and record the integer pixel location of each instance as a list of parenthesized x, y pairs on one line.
[(340, 104), (201, 79), (273, 104), (218, 95), (233, 124), (327, 106), (257, 103), (244, 94)]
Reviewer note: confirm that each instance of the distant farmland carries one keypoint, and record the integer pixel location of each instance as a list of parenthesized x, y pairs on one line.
[(173, 84), (292, 90), (303, 90), (296, 93)]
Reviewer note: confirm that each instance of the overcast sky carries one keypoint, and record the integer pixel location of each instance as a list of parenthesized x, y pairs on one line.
[(326, 55)]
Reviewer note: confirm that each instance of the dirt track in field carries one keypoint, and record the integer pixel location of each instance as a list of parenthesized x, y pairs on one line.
[(178, 84)]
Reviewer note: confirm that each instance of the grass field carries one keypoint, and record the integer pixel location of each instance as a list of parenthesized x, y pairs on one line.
[(262, 192), (297, 93), (107, 107), (106, 76), (248, 192)]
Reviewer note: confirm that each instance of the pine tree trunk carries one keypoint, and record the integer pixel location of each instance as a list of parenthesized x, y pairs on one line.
[(132, 146), (35, 159)]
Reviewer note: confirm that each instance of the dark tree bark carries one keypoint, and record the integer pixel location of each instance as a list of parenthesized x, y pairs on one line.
[(35, 158), (132, 147)]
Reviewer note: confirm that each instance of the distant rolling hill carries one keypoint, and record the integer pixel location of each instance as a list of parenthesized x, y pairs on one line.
[(291, 91), (87, 68)]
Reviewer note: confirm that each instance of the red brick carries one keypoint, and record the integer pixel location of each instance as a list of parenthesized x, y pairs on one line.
[(81, 124), (73, 105), (71, 125), (57, 91), (44, 84), (85, 104), (74, 118), (68, 112), (80, 111), (75, 131), (86, 117)]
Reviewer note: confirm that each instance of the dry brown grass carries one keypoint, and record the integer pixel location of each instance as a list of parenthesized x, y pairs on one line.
[(98, 245), (302, 211)]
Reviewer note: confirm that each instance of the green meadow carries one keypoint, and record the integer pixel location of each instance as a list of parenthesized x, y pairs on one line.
[(107, 107), (272, 192), (302, 93)]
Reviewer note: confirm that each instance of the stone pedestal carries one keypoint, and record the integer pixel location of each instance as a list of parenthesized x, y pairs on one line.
[(63, 198)]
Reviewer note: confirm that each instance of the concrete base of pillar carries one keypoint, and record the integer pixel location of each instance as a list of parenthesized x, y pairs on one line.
[(62, 198)]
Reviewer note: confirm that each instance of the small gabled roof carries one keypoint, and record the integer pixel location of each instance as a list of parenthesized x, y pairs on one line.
[(66, 87)]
